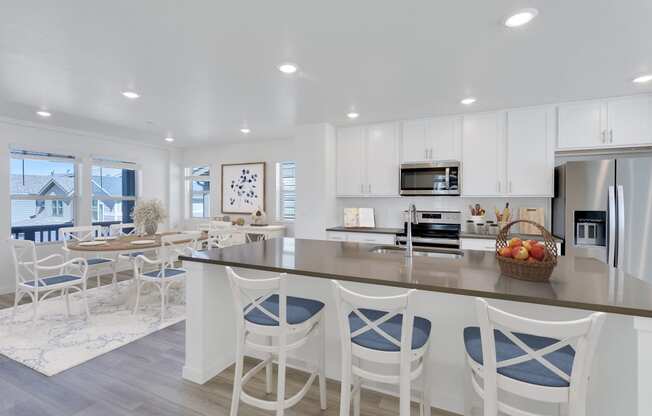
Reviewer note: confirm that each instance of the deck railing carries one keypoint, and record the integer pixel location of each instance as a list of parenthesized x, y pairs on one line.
[(49, 233)]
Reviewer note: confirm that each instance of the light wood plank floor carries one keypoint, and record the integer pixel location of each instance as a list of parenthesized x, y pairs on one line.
[(144, 378)]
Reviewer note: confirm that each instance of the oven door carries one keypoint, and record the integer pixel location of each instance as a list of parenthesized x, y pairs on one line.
[(429, 179)]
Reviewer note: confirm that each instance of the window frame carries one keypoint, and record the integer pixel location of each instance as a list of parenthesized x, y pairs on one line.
[(280, 193), (190, 193), (18, 153), (111, 164)]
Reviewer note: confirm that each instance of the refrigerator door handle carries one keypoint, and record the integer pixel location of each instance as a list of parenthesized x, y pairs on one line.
[(611, 244), (621, 226)]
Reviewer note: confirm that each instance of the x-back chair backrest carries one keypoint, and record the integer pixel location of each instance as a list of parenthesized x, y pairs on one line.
[(119, 229), (23, 253), (581, 334), (174, 245), (348, 302), (77, 234), (249, 295)]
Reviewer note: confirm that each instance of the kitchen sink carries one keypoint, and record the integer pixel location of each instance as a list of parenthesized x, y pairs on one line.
[(448, 253)]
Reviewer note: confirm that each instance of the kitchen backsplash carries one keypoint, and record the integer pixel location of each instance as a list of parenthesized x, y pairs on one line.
[(388, 210)]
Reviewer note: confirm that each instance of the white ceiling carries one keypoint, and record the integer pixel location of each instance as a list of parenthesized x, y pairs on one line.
[(206, 67)]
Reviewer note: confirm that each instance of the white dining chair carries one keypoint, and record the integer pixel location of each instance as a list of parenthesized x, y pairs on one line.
[(220, 234), (543, 361), (285, 323), (165, 273), (382, 331), (31, 279), (96, 263), (122, 229)]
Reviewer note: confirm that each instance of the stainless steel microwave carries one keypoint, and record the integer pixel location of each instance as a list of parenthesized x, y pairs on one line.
[(430, 178)]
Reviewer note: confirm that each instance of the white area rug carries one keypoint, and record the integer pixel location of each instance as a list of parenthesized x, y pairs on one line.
[(56, 343)]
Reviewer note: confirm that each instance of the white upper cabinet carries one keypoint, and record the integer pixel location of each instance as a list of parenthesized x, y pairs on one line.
[(382, 159), (368, 160), (483, 156), (616, 122), (630, 120), (415, 146), (581, 125), (431, 139), (530, 152), (351, 161), (446, 136)]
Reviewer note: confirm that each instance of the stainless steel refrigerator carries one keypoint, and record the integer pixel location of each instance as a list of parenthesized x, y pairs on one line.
[(603, 209)]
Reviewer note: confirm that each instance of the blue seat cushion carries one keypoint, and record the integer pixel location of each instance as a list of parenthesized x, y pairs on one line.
[(532, 371), (97, 260), (136, 254), (54, 280), (298, 310), (375, 341), (168, 273)]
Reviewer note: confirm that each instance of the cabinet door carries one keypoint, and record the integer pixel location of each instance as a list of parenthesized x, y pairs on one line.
[(382, 159), (350, 161), (413, 144), (372, 238), (581, 125), (483, 159), (630, 120), (530, 152), (445, 134)]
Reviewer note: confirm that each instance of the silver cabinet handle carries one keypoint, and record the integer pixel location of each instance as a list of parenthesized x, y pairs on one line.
[(425, 153), (611, 136), (604, 136), (369, 188)]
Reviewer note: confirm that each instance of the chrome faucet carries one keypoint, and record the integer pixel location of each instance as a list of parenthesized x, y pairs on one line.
[(412, 219)]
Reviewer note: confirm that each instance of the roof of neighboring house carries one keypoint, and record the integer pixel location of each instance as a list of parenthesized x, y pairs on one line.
[(42, 184)]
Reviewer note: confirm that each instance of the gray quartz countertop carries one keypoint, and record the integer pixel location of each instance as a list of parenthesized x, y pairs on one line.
[(376, 230), (577, 282)]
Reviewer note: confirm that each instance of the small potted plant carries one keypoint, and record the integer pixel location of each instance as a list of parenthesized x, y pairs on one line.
[(147, 215)]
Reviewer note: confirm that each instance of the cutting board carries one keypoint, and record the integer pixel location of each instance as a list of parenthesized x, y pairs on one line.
[(537, 215)]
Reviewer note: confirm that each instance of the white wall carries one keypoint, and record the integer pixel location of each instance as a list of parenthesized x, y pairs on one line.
[(268, 151), (154, 175)]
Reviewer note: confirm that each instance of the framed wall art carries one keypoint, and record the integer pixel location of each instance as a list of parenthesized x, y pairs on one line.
[(243, 187)]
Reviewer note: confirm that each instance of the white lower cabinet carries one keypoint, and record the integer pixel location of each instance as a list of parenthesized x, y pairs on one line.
[(355, 237)]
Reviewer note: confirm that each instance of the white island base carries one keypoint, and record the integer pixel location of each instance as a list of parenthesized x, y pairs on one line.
[(621, 382)]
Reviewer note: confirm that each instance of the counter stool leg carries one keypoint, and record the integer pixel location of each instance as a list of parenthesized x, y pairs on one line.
[(280, 388), (269, 369), (237, 378), (66, 294), (405, 389), (357, 386), (425, 404), (345, 390), (322, 363)]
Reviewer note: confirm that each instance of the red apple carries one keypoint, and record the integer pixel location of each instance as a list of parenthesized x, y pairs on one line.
[(528, 245), (520, 253), (505, 252), (515, 242), (538, 252)]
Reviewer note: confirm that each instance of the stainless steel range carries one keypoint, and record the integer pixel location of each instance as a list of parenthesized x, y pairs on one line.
[(433, 229)]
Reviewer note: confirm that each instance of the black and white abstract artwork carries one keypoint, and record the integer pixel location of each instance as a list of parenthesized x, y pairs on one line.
[(243, 188)]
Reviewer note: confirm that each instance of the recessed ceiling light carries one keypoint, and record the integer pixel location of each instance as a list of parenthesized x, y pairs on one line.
[(522, 17), (288, 68), (169, 139), (245, 130), (468, 101), (642, 79), (44, 113), (131, 94), (352, 115)]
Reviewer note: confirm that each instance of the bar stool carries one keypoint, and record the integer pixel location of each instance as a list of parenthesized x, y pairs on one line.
[(263, 309), (545, 361), (385, 332)]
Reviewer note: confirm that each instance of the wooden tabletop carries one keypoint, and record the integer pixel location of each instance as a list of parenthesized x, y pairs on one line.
[(125, 243)]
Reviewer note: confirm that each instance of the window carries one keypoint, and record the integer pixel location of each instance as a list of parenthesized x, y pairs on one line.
[(198, 181), (114, 191), (286, 190), (43, 197)]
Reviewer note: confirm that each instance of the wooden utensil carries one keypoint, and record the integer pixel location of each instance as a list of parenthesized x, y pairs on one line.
[(536, 215)]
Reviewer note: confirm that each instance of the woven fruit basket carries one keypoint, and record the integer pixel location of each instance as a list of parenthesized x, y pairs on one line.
[(531, 269)]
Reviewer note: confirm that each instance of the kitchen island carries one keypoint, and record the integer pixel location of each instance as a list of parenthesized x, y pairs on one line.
[(447, 284)]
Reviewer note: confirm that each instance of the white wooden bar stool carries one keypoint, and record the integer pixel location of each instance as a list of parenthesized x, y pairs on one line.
[(384, 333), (285, 323), (545, 361)]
